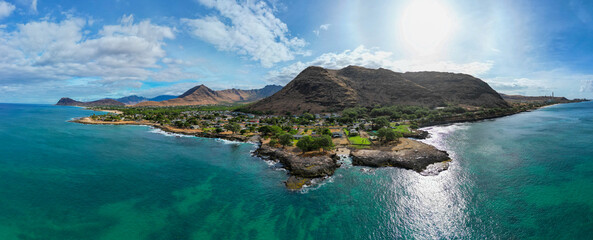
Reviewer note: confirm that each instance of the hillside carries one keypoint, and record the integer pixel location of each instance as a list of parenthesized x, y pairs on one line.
[(162, 98), (102, 102), (317, 89), (131, 100), (134, 99), (202, 95), (458, 89)]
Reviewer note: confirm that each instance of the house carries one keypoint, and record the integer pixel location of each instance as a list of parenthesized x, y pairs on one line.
[(297, 136)]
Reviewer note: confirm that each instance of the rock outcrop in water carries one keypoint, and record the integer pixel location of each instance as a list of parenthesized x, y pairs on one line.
[(409, 154), (302, 169)]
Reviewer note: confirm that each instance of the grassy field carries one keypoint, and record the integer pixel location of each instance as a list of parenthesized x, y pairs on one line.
[(357, 140), (401, 128)]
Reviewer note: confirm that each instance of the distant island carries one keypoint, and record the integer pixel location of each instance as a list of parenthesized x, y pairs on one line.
[(323, 115)]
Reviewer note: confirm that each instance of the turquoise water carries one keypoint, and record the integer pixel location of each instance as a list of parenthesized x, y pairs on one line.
[(524, 176)]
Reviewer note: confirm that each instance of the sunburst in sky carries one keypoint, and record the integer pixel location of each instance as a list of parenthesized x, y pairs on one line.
[(113, 48)]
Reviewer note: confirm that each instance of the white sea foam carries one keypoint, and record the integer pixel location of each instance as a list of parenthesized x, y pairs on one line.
[(227, 141), (159, 131), (316, 183), (345, 161), (437, 134)]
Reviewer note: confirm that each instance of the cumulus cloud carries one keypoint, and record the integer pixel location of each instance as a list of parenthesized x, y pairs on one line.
[(521, 86), (119, 55), (586, 86), (374, 58), (6, 9), (323, 27), (46, 50), (248, 28)]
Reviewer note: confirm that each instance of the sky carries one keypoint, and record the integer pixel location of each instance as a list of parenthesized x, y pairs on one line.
[(89, 50)]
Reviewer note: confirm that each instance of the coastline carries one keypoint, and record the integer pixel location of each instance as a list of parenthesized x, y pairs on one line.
[(494, 116), (304, 168)]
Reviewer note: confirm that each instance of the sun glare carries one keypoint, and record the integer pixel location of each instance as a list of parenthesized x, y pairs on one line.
[(425, 26)]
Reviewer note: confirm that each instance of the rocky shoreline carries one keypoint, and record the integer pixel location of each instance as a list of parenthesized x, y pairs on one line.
[(408, 154), (304, 168)]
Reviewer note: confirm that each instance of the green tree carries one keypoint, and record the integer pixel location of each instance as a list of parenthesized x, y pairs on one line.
[(323, 131), (388, 134), (308, 116), (324, 142), (285, 140), (233, 127), (380, 122), (305, 143), (270, 130)]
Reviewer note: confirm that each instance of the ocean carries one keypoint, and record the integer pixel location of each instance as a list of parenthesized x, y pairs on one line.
[(526, 176)]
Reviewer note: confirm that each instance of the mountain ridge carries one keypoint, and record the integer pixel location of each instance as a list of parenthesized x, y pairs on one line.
[(317, 90), (202, 95), (198, 95)]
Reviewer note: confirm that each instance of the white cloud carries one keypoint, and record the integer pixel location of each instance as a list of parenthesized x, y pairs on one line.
[(323, 27), (519, 86), (34, 6), (586, 86), (563, 82), (373, 58), (248, 28), (6, 9), (117, 55)]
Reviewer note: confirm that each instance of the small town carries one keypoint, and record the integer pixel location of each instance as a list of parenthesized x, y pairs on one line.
[(357, 128)]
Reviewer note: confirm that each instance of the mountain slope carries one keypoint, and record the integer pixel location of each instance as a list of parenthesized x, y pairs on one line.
[(162, 98), (101, 102), (458, 88), (202, 95), (131, 100), (134, 99), (317, 89)]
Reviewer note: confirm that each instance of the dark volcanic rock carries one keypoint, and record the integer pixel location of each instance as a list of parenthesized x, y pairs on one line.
[(296, 183), (306, 167), (317, 89), (418, 156), (418, 134)]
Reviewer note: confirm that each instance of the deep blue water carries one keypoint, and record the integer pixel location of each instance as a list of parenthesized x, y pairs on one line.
[(526, 176)]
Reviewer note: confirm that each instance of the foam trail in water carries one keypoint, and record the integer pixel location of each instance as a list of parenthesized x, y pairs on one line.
[(159, 131), (227, 141), (437, 134), (316, 183)]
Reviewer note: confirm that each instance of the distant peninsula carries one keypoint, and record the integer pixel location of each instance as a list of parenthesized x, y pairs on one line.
[(324, 115), (199, 95)]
